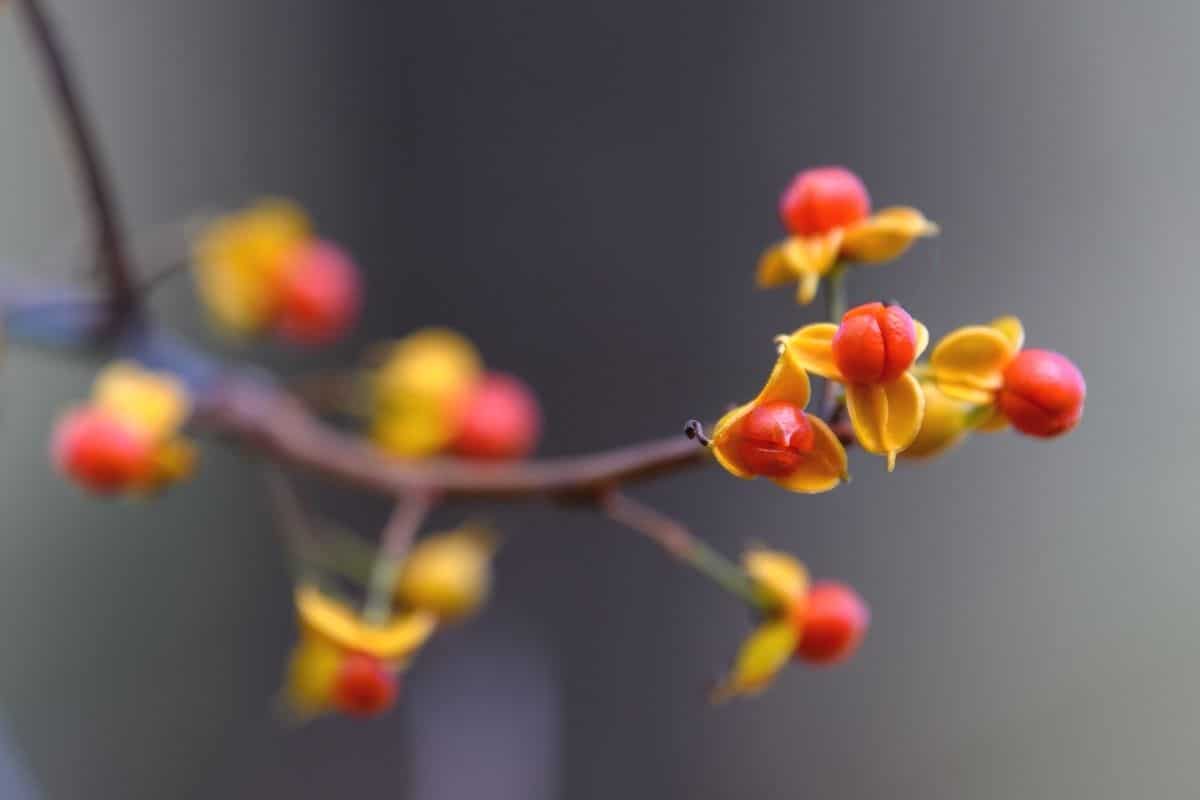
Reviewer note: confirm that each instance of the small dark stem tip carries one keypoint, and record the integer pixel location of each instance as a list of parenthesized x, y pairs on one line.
[(694, 430)]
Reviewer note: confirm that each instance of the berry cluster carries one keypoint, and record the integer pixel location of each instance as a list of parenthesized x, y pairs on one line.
[(352, 665), (977, 377), (430, 394), (821, 623), (126, 438), (262, 269)]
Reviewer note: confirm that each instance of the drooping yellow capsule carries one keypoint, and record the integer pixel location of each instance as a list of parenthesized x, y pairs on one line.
[(449, 574)]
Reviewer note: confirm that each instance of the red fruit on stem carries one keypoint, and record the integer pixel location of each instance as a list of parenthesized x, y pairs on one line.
[(319, 293), (832, 625), (363, 686), (821, 199), (501, 419), (773, 438), (99, 452), (875, 343), (1043, 393)]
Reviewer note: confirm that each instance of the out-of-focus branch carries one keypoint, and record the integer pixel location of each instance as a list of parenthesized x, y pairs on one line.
[(263, 416), (110, 250)]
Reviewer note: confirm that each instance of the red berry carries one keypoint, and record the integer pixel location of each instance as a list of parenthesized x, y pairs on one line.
[(319, 296), (1043, 393), (821, 199), (363, 686), (99, 452), (501, 419), (875, 343), (833, 624), (773, 438)]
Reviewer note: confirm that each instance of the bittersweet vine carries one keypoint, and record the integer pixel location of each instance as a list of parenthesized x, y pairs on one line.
[(425, 423)]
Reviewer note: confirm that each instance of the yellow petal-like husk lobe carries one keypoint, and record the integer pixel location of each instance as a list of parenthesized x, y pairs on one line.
[(885, 235), (394, 642), (764, 653)]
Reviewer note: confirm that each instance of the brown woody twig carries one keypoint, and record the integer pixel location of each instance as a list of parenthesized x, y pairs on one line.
[(111, 251)]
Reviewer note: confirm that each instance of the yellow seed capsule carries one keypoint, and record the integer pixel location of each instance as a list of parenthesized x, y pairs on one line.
[(312, 670), (449, 574), (946, 423), (419, 390), (780, 575), (413, 426), (239, 260), (764, 653), (394, 642), (153, 402), (433, 362)]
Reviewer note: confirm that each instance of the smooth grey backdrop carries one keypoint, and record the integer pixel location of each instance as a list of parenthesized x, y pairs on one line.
[(583, 188)]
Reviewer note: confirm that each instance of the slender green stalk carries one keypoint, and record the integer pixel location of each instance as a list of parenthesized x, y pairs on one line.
[(398, 536), (674, 538)]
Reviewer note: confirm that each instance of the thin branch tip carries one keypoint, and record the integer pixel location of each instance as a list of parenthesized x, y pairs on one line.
[(694, 429)]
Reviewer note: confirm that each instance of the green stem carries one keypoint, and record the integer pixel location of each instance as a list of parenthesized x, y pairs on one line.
[(729, 576), (398, 536), (673, 537)]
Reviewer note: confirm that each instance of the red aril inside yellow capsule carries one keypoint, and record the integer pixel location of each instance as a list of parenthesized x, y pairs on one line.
[(99, 452), (319, 295), (821, 199), (772, 439), (501, 419), (363, 686), (832, 625), (1043, 393), (875, 343)]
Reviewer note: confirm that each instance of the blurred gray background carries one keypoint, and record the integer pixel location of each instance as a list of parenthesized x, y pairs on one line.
[(583, 188)]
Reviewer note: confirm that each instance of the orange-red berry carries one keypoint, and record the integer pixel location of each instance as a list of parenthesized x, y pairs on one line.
[(821, 199), (363, 686), (1043, 393), (773, 438), (98, 451), (501, 419), (832, 625), (319, 294), (875, 343)]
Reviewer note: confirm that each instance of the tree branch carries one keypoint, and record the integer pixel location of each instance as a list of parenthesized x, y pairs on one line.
[(110, 247), (265, 417)]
